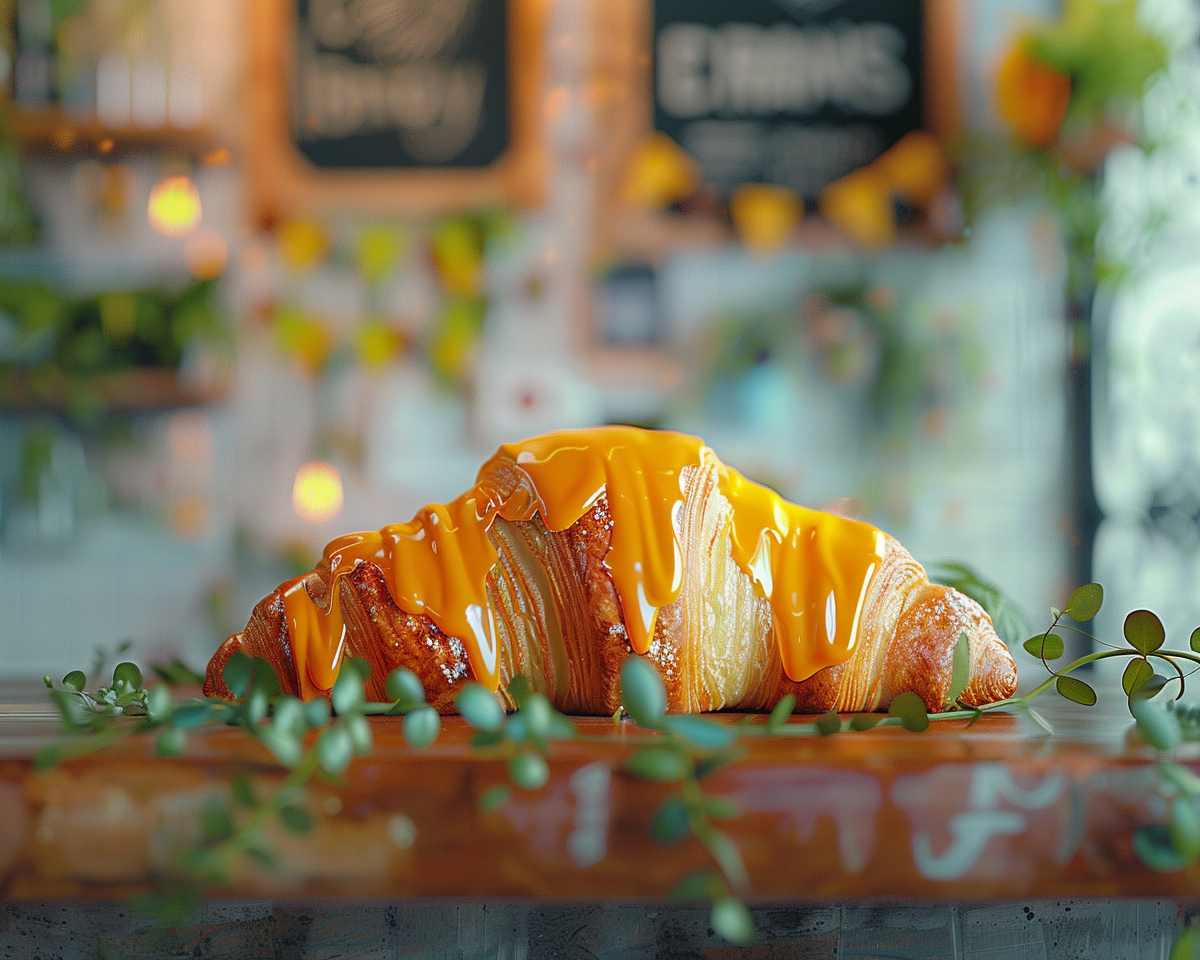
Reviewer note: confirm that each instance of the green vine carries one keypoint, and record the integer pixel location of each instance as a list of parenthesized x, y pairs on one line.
[(321, 737)]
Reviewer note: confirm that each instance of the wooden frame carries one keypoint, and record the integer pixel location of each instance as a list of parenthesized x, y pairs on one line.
[(624, 112), (281, 182)]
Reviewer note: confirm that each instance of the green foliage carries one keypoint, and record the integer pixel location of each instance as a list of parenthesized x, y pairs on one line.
[(480, 708), (1137, 672), (1045, 646), (733, 921), (829, 723), (1085, 602), (780, 712), (910, 710), (663, 764), (494, 797), (1144, 631), (1075, 689), (670, 821), (960, 672), (421, 726), (529, 770), (642, 692)]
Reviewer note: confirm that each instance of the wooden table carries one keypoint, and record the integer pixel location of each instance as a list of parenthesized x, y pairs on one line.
[(994, 812)]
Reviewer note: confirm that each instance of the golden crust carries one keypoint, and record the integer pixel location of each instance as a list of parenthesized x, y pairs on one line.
[(559, 621)]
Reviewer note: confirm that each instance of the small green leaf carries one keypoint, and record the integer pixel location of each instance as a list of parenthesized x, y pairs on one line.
[(733, 921), (1150, 689), (284, 745), (729, 859), (780, 712), (479, 707), (670, 821), (254, 708), (238, 674), (334, 748), (1038, 719), (158, 703), (1076, 690), (642, 692), (360, 733), (1183, 826), (1183, 778), (265, 678), (561, 727), (190, 715), (865, 721), (700, 730), (721, 808), (1085, 602), (1157, 725), (486, 738), (360, 666), (517, 728), (289, 715), (171, 742), (910, 708), (663, 764), (128, 673), (537, 712), (405, 688), (1194, 643), (1137, 672), (295, 819), (1186, 945), (519, 688), (347, 694), (75, 680), (47, 759), (316, 713), (421, 727), (528, 770), (960, 671), (243, 791), (1144, 631), (829, 723), (1153, 846), (494, 797), (1045, 646), (215, 823)]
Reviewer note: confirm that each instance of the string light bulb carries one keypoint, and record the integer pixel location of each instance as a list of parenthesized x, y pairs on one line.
[(317, 492), (174, 208)]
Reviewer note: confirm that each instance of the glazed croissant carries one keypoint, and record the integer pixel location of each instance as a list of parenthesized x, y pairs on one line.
[(576, 549)]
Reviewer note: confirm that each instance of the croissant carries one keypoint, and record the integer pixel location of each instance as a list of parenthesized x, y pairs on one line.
[(574, 550)]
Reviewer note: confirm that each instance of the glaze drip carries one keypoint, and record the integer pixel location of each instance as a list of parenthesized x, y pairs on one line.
[(813, 568)]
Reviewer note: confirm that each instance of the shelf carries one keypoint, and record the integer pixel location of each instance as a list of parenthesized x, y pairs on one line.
[(55, 132), (139, 388)]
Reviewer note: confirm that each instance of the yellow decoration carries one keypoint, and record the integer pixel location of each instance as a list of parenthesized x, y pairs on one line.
[(764, 216), (118, 316), (860, 204), (915, 167), (378, 252), (302, 244), (1032, 98), (303, 337), (458, 255), (376, 343), (659, 173), (174, 207), (453, 345), (317, 494)]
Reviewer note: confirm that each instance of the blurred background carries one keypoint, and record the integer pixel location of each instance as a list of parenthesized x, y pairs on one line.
[(274, 270)]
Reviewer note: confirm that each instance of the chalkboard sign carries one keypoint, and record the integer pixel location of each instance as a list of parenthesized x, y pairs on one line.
[(410, 107), (791, 92), (400, 83)]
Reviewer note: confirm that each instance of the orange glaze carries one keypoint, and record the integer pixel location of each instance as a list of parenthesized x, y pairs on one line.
[(814, 568)]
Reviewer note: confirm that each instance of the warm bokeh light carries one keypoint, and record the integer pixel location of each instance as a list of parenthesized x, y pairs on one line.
[(174, 208), (317, 492), (206, 255)]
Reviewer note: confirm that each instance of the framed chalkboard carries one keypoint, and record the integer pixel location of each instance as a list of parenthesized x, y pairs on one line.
[(401, 105), (789, 92)]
